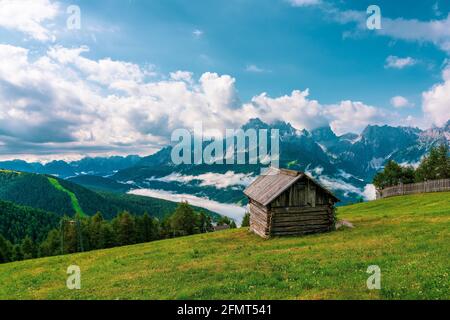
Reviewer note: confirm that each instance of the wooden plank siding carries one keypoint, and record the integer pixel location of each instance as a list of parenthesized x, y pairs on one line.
[(260, 219), (299, 210), (303, 193), (289, 203), (302, 220)]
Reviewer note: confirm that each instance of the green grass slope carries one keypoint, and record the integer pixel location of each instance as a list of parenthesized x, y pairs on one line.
[(407, 237), (73, 198)]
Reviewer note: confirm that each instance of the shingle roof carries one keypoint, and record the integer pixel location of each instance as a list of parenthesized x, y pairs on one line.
[(273, 183)]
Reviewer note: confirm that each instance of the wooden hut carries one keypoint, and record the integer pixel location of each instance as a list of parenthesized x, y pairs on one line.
[(286, 202)]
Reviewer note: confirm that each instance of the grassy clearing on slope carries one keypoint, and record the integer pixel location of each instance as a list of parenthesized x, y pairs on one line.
[(10, 171), (73, 198), (408, 237)]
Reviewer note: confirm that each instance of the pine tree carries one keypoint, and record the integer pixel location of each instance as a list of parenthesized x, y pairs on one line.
[(392, 175), (147, 228), (225, 221), (28, 248), (434, 166), (70, 236), (407, 175), (125, 229), (108, 235), (246, 220), (443, 162), (205, 222), (95, 232), (184, 220), (5, 250), (17, 254), (165, 228), (51, 246)]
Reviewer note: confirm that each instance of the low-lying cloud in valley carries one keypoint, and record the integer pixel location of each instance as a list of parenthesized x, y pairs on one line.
[(229, 210), (211, 179)]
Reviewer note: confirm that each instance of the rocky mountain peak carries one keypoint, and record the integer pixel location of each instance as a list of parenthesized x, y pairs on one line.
[(324, 134)]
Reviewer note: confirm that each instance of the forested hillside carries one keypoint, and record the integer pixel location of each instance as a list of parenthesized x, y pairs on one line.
[(35, 191), (100, 183), (27, 233), (37, 206), (17, 222), (140, 204), (66, 198)]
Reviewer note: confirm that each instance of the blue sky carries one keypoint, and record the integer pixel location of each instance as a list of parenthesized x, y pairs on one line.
[(252, 47), (295, 47)]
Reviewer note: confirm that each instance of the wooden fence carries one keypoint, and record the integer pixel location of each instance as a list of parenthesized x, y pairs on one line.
[(421, 187)]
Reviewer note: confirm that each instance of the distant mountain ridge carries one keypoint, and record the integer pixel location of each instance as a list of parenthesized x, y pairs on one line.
[(345, 164), (100, 166)]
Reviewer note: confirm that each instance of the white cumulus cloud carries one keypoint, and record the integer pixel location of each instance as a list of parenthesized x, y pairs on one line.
[(304, 3), (350, 116), (436, 101), (296, 109), (433, 31), (63, 102), (29, 17), (395, 62), (254, 68), (370, 192), (197, 33), (400, 102)]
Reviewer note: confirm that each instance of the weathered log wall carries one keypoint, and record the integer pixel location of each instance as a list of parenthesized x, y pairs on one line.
[(300, 221), (260, 219), (303, 193), (304, 208)]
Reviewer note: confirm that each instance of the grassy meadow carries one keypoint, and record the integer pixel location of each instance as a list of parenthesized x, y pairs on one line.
[(73, 198), (407, 237)]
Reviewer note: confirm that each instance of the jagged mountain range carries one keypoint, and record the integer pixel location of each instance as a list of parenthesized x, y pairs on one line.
[(87, 166), (346, 164)]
